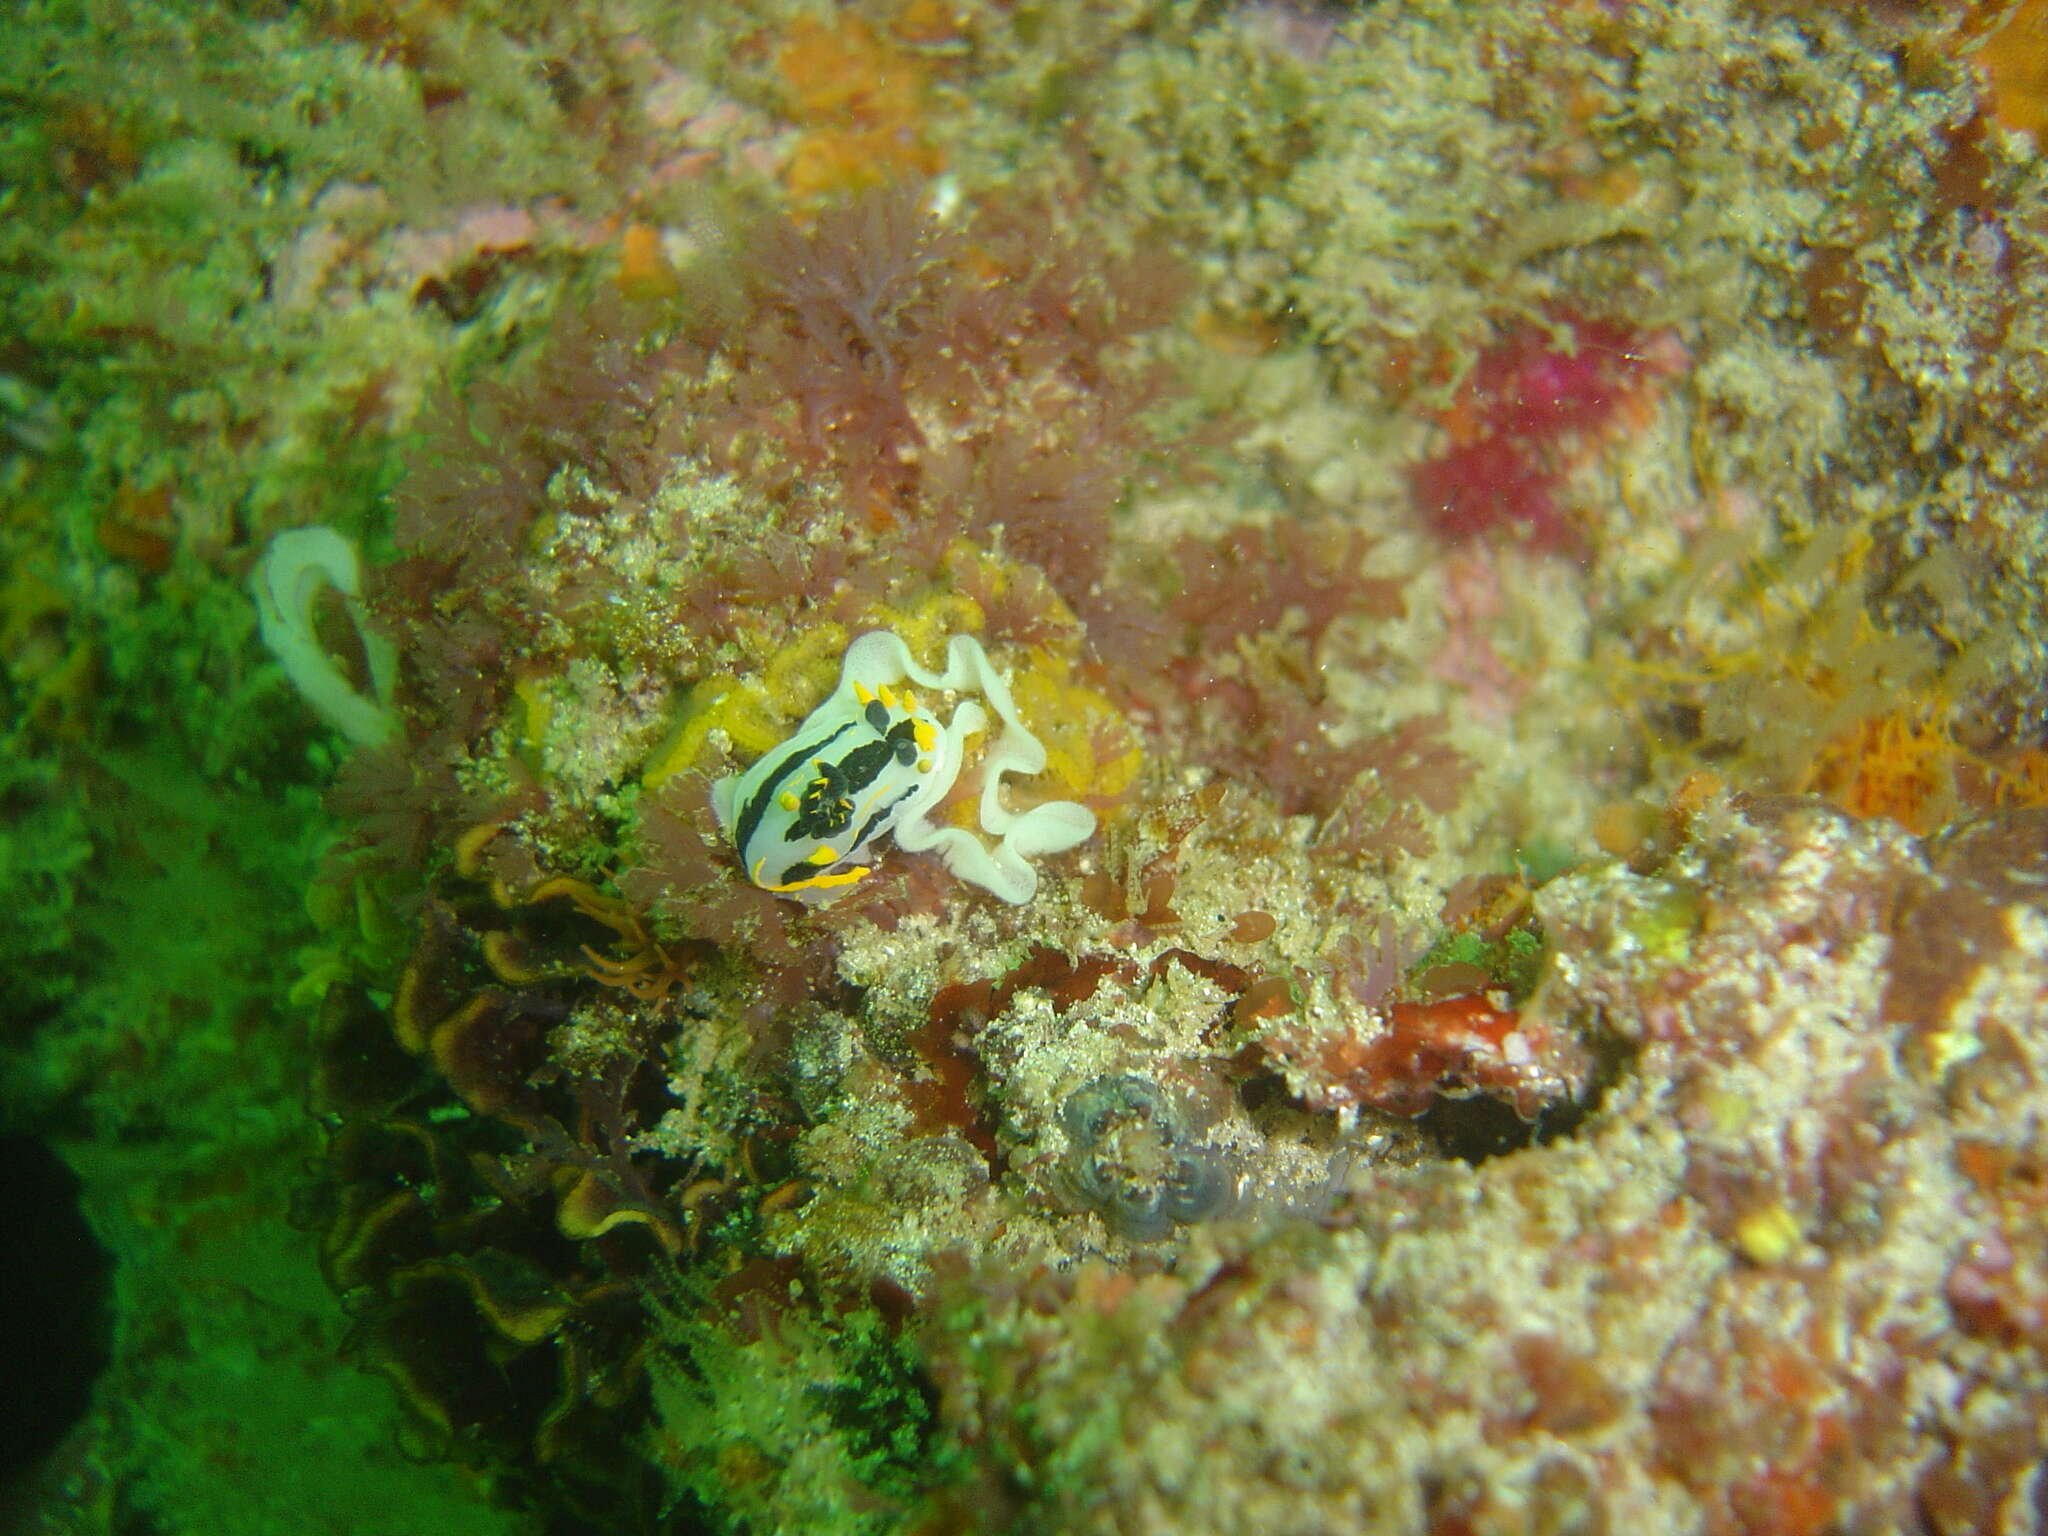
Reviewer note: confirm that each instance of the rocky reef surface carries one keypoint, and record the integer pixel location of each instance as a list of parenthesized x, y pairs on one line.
[(1436, 920)]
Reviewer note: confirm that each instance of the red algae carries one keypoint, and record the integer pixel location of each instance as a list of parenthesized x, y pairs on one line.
[(1452, 1046), (1533, 405)]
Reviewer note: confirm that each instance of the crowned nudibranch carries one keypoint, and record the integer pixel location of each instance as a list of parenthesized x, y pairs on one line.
[(874, 760)]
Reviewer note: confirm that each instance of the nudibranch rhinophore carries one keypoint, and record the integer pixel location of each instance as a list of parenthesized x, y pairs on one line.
[(874, 760)]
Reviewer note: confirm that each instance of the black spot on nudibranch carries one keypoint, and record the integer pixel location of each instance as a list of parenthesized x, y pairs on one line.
[(826, 807), (756, 807)]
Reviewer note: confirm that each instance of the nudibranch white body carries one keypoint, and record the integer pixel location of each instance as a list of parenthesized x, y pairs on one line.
[(873, 761)]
